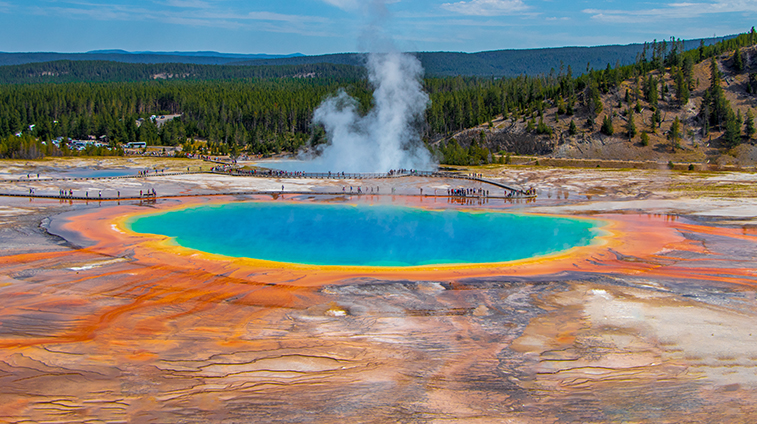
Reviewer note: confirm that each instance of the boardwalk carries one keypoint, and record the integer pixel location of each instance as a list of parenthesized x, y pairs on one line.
[(515, 192)]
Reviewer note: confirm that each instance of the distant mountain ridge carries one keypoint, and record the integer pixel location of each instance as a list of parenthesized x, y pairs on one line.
[(502, 63), (195, 58), (241, 56), (495, 63)]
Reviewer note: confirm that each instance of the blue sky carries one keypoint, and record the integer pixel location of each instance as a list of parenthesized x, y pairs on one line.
[(333, 26)]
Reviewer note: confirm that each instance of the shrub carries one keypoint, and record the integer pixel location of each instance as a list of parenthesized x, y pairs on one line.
[(607, 128), (644, 139)]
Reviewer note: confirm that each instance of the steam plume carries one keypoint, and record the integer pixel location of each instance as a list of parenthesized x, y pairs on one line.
[(387, 137)]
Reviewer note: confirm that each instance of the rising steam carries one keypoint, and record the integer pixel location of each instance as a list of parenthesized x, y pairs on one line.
[(388, 136)]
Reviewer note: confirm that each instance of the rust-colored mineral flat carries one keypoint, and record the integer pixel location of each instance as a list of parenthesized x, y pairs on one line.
[(653, 323)]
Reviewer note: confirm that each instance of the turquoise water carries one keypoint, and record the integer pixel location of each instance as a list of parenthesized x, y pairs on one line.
[(365, 235), (94, 173)]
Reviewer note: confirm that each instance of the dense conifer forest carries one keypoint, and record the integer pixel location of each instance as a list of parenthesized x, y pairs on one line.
[(64, 71), (266, 110)]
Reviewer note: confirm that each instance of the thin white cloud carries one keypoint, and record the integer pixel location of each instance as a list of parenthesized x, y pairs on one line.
[(188, 4), (476, 23), (196, 17), (673, 11), (487, 7), (348, 5), (270, 16)]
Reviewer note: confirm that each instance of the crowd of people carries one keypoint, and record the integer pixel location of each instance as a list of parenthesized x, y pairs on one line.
[(359, 190), (467, 192), (146, 172), (402, 171), (69, 194), (460, 192), (224, 168), (531, 192)]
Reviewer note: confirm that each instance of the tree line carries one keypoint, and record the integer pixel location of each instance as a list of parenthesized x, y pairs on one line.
[(69, 71), (273, 111)]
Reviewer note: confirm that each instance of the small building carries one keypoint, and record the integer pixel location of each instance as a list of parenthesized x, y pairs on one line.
[(159, 121)]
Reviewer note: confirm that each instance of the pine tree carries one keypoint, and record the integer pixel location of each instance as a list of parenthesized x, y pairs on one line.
[(738, 62), (688, 71), (675, 134), (719, 105), (593, 98), (572, 129), (607, 128), (630, 125), (656, 120), (531, 126), (682, 88), (732, 135), (650, 90), (749, 128)]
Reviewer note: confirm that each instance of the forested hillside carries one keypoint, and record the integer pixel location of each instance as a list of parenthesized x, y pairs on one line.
[(263, 116), (496, 63), (696, 106), (198, 58), (96, 71), (510, 63), (468, 118)]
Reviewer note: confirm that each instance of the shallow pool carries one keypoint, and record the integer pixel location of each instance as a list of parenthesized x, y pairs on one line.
[(365, 235), (93, 173)]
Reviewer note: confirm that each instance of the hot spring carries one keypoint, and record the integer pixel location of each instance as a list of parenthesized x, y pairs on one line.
[(365, 235)]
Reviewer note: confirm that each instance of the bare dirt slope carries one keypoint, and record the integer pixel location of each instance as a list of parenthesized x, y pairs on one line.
[(512, 135)]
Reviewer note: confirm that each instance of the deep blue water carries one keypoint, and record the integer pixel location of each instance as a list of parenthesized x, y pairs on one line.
[(365, 235)]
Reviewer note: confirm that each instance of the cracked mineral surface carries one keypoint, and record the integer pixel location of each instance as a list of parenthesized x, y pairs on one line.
[(656, 324)]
